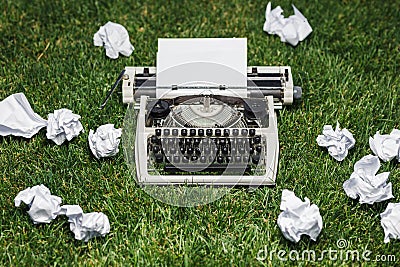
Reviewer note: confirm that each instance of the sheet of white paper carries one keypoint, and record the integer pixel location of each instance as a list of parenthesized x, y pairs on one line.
[(105, 141), (44, 207), (291, 30), (364, 182), (199, 61), (18, 118), (85, 225), (386, 146), (390, 221), (298, 218), (337, 141), (63, 125), (115, 39)]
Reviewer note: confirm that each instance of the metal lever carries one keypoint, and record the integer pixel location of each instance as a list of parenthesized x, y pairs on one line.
[(112, 89)]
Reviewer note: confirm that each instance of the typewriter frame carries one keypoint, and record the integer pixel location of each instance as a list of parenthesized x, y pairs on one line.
[(276, 86)]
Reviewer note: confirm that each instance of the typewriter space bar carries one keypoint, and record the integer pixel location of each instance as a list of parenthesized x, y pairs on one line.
[(220, 168)]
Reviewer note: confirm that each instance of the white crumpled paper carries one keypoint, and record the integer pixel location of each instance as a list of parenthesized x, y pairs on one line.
[(115, 39), (85, 225), (44, 207), (337, 141), (291, 30), (105, 141), (386, 146), (18, 118), (390, 221), (298, 217), (63, 125), (364, 182)]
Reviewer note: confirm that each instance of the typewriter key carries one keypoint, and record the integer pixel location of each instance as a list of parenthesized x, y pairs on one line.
[(235, 132), (209, 132), (255, 158), (159, 157), (158, 132), (184, 132), (175, 132), (201, 132), (217, 132)]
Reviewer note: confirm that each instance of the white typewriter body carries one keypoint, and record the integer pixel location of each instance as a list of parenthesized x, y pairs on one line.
[(208, 134)]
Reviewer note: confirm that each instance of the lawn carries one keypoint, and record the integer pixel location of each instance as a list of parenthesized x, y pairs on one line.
[(348, 68)]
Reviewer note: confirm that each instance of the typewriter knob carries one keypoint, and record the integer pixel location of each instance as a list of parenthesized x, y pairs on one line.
[(160, 109)]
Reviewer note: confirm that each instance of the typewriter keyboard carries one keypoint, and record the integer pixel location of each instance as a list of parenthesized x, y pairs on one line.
[(180, 150)]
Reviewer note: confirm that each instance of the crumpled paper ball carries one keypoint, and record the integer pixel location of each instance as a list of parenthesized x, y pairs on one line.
[(115, 39), (298, 218), (387, 146), (291, 30), (18, 118), (337, 141), (390, 221), (105, 141), (63, 125), (85, 225), (44, 207), (364, 182)]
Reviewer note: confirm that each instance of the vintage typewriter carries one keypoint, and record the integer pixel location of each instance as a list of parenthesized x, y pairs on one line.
[(208, 134)]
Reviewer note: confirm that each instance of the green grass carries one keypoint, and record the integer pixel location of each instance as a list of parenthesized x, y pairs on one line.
[(349, 71)]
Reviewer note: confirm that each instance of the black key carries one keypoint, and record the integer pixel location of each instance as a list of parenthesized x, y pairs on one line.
[(188, 141), (238, 159), (235, 132), (159, 157), (217, 132), (257, 139), (203, 159), (251, 150), (244, 132), (226, 132), (177, 159), (224, 150), (158, 132), (156, 149), (192, 132), (182, 149), (196, 141), (189, 150), (255, 159), (184, 132), (197, 151), (228, 159), (201, 132), (252, 132), (166, 132), (194, 158), (175, 132), (172, 150), (168, 159), (209, 132), (220, 159), (154, 139), (259, 149), (222, 141)]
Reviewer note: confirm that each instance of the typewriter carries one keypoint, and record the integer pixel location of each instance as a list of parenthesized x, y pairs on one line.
[(208, 134)]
